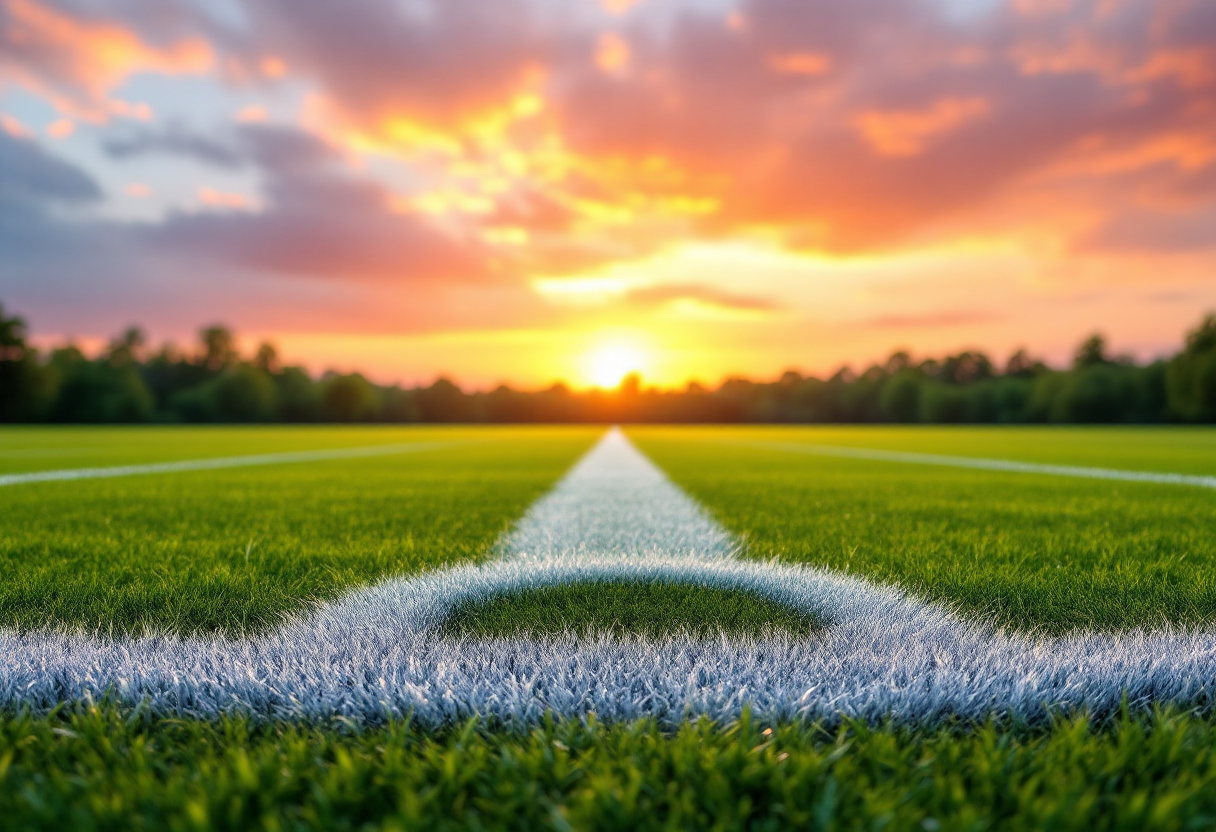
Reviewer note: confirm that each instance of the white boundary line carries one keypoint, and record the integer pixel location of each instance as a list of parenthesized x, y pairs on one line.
[(217, 462), (986, 464), (375, 653)]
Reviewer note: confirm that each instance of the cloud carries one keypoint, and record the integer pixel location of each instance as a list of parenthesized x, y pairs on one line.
[(706, 295), (934, 320), (907, 132), (807, 122), (322, 252), (319, 220), (1144, 231), (32, 179), (75, 61), (483, 144), (174, 140)]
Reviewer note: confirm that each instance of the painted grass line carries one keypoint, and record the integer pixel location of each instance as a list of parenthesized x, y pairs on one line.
[(881, 653), (218, 462), (987, 464), (614, 501)]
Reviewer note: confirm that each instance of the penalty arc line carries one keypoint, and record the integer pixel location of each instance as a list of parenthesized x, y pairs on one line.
[(985, 463), (219, 462), (375, 653)]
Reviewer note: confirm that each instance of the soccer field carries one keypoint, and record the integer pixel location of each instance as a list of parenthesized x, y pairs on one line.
[(196, 640)]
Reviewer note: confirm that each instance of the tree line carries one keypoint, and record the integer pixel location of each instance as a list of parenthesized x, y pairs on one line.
[(212, 382)]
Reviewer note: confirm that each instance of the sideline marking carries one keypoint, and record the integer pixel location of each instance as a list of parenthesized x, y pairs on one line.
[(988, 464), (217, 462)]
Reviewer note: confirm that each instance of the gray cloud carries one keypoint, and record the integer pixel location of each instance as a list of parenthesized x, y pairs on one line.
[(174, 140)]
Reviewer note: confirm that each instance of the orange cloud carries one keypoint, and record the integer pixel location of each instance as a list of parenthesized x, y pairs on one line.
[(909, 132), (1192, 68), (612, 53), (252, 114), (224, 199), (75, 63), (800, 63), (273, 67), (618, 6), (14, 127), (61, 128)]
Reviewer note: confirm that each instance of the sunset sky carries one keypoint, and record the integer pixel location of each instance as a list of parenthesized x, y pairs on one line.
[(524, 191)]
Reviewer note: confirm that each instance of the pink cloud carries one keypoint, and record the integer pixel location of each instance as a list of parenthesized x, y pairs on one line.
[(76, 62)]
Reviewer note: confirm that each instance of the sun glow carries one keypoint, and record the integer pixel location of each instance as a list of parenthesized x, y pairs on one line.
[(608, 364)]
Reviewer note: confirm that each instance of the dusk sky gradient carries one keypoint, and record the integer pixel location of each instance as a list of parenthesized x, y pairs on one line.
[(532, 190)]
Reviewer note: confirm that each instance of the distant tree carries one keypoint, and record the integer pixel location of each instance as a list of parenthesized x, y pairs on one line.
[(193, 404), (127, 384), (1191, 377), (126, 348), (13, 332), (349, 398), (27, 388), (1012, 397), (218, 348), (96, 391), (244, 393), (12, 357), (1096, 393), (298, 397), (267, 358), (401, 406), (898, 362), (1091, 353), (944, 403), (443, 401), (900, 398), (966, 368), (1021, 365)]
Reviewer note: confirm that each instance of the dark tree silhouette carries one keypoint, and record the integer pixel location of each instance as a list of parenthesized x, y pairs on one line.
[(129, 382)]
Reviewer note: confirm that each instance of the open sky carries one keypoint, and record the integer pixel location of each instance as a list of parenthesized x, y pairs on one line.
[(533, 190)]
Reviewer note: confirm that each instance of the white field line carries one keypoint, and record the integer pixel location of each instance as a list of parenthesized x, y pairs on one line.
[(986, 464), (217, 462), (375, 653)]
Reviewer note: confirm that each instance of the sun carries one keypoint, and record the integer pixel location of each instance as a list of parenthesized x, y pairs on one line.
[(608, 364)]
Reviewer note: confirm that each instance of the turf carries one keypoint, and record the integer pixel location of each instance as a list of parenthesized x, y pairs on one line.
[(649, 608), (103, 769), (1033, 551), (233, 550), (237, 548)]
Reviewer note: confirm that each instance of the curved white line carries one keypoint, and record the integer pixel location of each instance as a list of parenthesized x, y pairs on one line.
[(377, 652)]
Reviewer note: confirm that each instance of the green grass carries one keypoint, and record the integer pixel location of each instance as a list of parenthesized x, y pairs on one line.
[(1034, 551), (237, 548), (624, 608), (234, 549), (102, 769)]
